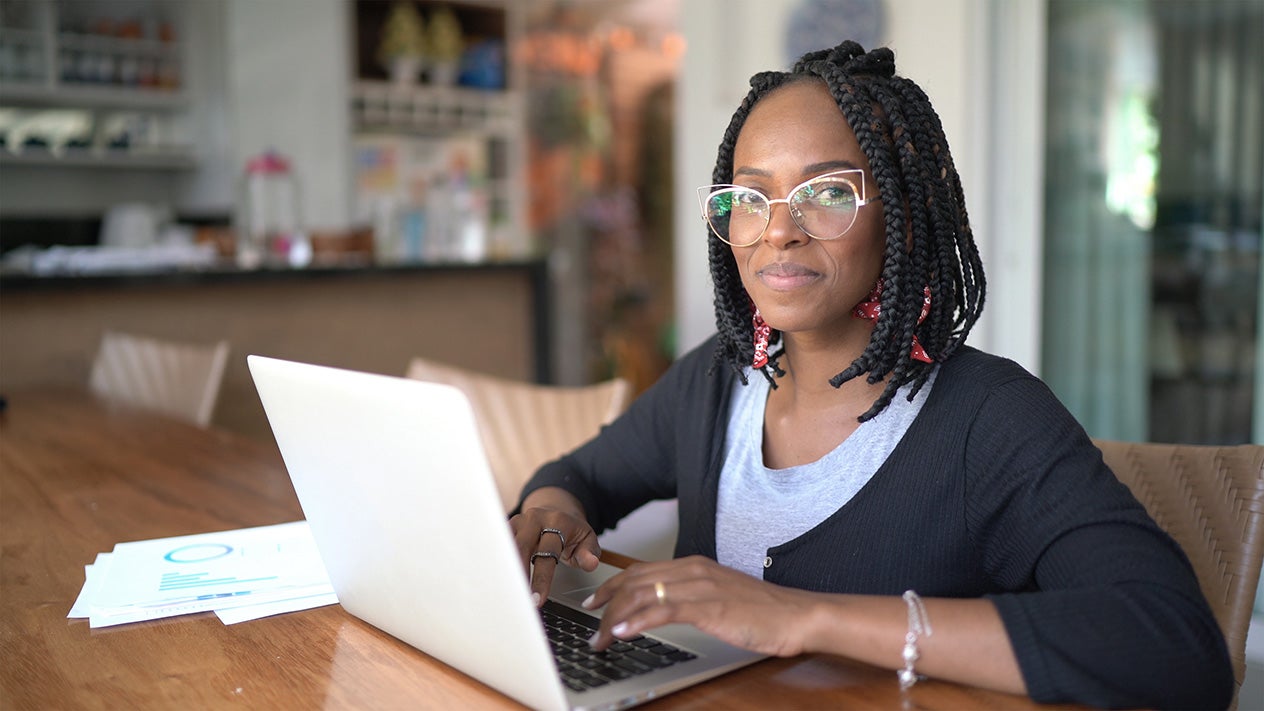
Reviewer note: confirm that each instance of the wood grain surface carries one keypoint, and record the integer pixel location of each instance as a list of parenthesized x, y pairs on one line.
[(78, 475)]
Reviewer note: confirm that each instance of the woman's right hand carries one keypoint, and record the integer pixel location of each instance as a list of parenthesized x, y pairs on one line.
[(552, 529)]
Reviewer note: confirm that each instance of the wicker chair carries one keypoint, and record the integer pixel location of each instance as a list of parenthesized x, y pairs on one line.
[(1211, 500), (177, 379), (524, 425)]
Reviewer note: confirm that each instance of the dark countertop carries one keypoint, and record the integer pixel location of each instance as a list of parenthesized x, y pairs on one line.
[(12, 280)]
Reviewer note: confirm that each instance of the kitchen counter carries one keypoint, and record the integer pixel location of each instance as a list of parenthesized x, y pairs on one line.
[(23, 280), (489, 317)]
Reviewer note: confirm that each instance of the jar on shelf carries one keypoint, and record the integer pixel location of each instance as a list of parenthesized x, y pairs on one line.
[(270, 226)]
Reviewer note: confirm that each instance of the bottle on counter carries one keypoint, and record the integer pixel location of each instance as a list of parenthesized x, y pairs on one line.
[(270, 229)]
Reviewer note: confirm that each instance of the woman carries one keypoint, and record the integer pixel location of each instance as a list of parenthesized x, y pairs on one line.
[(873, 453)]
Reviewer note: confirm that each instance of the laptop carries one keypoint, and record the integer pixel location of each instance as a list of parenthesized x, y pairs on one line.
[(394, 483)]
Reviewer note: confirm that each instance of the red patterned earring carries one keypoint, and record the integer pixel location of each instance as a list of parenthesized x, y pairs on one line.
[(919, 353), (872, 304), (871, 308), (762, 333)]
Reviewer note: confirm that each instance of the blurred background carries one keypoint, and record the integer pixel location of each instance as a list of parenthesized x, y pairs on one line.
[(508, 185)]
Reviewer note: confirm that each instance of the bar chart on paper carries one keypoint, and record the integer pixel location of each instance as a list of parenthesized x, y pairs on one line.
[(193, 581), (200, 553), (142, 580)]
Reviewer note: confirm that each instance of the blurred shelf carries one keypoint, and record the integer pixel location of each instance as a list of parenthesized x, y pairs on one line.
[(434, 109), (167, 159), (22, 35), (118, 45), (46, 61), (67, 95), (463, 143)]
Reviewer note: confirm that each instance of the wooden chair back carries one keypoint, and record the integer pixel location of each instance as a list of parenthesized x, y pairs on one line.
[(178, 379), (1211, 500), (524, 425)]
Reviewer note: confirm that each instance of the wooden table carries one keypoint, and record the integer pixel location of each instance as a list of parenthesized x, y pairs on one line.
[(78, 475)]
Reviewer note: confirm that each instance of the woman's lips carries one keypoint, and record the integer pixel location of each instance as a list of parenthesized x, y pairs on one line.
[(784, 276)]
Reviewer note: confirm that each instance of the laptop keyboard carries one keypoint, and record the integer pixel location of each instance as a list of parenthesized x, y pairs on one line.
[(582, 668)]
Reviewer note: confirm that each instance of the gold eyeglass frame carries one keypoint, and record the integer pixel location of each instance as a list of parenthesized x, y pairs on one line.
[(707, 192)]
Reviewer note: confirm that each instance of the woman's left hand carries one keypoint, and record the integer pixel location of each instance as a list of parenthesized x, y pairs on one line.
[(743, 611)]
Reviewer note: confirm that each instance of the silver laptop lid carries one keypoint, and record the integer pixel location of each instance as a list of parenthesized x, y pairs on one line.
[(363, 451), (397, 491)]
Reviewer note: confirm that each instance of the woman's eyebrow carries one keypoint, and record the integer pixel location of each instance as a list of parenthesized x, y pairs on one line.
[(829, 165), (812, 169)]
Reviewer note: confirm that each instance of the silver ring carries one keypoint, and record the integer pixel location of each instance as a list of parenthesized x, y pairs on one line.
[(660, 591), (544, 554), (553, 530)]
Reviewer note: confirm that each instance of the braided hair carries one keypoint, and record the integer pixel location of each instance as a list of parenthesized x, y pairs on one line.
[(902, 137)]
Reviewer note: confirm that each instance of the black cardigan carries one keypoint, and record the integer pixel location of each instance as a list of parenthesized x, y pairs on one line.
[(995, 491)]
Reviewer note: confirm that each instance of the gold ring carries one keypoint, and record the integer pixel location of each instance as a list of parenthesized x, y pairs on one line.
[(660, 591)]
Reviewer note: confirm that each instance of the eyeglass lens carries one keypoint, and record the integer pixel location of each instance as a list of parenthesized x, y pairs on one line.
[(824, 208)]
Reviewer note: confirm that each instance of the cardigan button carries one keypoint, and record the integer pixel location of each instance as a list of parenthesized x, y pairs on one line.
[(767, 561)]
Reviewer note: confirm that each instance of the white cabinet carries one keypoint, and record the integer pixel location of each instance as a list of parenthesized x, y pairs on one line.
[(440, 156), (96, 84)]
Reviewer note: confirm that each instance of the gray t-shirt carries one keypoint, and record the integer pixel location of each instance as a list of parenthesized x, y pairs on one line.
[(759, 508)]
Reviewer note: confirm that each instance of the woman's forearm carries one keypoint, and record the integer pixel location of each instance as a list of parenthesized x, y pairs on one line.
[(967, 641)]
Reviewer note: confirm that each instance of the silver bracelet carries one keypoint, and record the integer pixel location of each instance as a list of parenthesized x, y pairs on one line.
[(918, 624)]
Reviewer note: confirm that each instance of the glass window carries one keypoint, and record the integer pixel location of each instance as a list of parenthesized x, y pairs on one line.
[(1153, 207)]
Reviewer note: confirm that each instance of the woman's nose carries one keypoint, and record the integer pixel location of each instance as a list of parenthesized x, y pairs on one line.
[(782, 230)]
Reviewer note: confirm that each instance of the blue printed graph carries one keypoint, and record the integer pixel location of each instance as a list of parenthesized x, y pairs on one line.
[(198, 552), (192, 581)]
